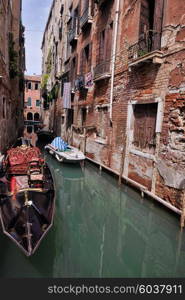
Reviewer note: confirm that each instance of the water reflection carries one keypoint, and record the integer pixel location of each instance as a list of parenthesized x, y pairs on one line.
[(110, 232), (100, 231), (30, 133)]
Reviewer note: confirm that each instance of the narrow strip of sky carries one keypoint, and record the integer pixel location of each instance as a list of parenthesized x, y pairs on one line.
[(34, 17)]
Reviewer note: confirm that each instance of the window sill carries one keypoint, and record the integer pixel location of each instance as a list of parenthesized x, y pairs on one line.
[(102, 76), (143, 154), (101, 141)]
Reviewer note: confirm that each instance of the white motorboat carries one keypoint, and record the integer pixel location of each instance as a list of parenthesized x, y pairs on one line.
[(63, 152)]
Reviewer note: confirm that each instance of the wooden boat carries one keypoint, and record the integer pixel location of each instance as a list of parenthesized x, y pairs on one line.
[(27, 198), (63, 152)]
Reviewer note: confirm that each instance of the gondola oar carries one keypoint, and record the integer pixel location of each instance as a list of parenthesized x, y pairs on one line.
[(40, 214)]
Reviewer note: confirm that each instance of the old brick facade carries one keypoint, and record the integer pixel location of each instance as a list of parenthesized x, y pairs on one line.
[(11, 72), (32, 102), (124, 101)]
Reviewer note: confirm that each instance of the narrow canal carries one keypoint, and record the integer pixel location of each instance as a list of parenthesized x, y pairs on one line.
[(100, 230)]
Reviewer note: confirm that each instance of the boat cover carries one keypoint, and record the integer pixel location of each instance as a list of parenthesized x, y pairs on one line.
[(59, 144), (19, 158)]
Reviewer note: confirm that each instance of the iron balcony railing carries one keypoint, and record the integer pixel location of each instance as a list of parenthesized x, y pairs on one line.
[(86, 17), (101, 69), (150, 42), (73, 33)]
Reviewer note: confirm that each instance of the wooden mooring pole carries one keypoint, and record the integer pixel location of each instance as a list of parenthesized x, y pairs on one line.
[(122, 160), (183, 211), (85, 138)]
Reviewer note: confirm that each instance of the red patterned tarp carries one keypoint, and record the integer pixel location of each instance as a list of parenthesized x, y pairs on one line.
[(18, 158)]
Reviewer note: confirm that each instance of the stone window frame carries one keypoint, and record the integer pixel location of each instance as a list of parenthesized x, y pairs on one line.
[(29, 103), (130, 127), (38, 103)]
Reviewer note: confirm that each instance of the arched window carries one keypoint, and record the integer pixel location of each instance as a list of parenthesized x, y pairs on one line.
[(36, 117), (30, 116)]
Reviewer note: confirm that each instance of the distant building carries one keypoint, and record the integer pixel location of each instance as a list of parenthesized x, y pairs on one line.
[(32, 103), (12, 66), (113, 84)]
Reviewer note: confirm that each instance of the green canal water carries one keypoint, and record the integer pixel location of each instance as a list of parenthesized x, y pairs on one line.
[(100, 230)]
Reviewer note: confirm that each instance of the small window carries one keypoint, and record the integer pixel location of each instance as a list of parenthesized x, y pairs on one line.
[(36, 86), (29, 101), (29, 129), (69, 120), (86, 57), (37, 102), (84, 116), (29, 85), (72, 97), (61, 9)]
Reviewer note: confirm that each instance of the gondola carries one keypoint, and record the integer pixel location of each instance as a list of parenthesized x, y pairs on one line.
[(27, 197)]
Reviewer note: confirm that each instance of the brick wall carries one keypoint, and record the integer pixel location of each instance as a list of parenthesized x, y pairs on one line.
[(153, 77)]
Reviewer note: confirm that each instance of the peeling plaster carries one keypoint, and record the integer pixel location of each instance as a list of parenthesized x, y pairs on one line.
[(172, 177)]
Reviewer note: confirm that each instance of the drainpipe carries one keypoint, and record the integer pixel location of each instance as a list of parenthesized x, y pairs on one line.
[(114, 56)]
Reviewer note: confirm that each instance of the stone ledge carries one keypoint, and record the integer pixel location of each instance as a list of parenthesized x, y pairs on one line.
[(101, 141), (155, 56)]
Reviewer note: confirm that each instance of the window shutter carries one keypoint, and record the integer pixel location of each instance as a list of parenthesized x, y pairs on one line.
[(92, 7), (76, 69), (151, 113), (139, 126), (144, 19), (144, 125), (108, 42), (102, 46), (71, 70), (90, 57), (84, 62), (158, 20), (81, 61), (98, 36)]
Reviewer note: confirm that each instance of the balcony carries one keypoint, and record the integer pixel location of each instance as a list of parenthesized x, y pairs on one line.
[(102, 71), (73, 35), (67, 65), (146, 50), (86, 17)]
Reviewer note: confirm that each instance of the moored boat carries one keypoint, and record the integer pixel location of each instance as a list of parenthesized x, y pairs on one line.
[(64, 152), (27, 197)]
